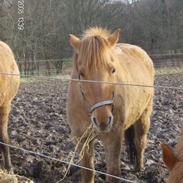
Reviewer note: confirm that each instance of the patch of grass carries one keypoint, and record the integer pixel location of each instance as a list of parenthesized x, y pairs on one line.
[(67, 68), (67, 60), (31, 79), (27, 80), (169, 70)]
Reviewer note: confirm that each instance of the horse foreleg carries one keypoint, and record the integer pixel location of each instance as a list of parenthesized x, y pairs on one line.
[(87, 176), (4, 113), (112, 144), (141, 131)]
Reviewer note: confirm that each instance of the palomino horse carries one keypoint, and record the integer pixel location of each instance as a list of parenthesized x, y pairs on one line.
[(111, 108), (174, 161), (9, 84)]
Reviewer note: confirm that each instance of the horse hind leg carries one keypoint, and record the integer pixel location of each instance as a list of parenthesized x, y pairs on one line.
[(141, 130), (4, 114), (130, 143)]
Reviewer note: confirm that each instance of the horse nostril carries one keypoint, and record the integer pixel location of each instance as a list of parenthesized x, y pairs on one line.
[(94, 119), (110, 120)]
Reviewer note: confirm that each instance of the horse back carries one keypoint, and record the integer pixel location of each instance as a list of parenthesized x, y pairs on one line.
[(138, 72), (137, 64)]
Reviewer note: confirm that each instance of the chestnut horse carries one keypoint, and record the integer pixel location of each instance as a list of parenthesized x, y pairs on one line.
[(174, 161), (9, 83), (111, 108)]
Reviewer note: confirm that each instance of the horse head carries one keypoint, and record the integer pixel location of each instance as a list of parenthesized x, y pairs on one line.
[(95, 61)]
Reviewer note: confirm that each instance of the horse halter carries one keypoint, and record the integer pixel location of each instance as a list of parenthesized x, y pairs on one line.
[(100, 104)]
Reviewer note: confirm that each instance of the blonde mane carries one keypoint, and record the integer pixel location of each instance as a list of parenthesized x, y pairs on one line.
[(94, 50), (96, 31)]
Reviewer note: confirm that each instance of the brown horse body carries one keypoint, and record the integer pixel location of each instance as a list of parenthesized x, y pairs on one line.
[(174, 161), (99, 57), (9, 83)]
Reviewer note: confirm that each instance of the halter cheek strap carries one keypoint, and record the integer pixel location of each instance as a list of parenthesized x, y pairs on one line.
[(100, 104)]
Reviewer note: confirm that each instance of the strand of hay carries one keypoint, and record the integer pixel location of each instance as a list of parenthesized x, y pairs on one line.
[(13, 178), (85, 147), (89, 134)]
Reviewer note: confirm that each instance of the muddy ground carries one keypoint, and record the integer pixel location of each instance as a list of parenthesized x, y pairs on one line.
[(38, 123)]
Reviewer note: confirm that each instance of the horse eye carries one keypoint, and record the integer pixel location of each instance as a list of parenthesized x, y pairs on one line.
[(81, 75), (113, 70)]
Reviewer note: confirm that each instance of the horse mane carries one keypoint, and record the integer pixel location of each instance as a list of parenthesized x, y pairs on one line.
[(96, 31), (94, 48)]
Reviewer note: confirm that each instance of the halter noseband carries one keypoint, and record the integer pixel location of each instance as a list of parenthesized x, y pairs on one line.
[(100, 104)]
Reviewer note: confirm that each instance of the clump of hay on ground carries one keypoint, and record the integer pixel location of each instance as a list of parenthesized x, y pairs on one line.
[(13, 178)]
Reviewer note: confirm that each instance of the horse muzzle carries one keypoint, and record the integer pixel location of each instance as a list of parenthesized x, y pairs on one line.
[(101, 117), (102, 126)]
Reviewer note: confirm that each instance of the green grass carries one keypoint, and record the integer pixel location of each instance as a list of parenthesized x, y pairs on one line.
[(68, 67), (169, 70), (42, 78)]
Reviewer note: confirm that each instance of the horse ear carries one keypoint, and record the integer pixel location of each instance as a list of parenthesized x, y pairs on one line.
[(114, 37), (169, 157), (75, 42)]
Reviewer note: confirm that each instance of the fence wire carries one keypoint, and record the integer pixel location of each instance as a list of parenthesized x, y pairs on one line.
[(41, 78), (68, 163), (98, 82)]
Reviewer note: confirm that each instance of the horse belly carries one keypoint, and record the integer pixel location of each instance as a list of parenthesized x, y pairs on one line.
[(137, 105)]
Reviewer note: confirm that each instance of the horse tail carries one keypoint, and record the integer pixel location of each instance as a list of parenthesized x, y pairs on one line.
[(130, 143)]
